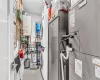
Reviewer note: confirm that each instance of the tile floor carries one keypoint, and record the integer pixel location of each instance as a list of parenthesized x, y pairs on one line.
[(32, 74)]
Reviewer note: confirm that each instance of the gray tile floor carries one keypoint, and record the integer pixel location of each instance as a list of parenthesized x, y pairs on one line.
[(32, 75)]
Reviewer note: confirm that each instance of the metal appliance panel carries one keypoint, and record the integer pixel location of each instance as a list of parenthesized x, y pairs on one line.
[(88, 68), (53, 51), (87, 22), (87, 41), (57, 28)]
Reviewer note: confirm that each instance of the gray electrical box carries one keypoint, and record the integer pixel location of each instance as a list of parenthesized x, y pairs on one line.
[(84, 62)]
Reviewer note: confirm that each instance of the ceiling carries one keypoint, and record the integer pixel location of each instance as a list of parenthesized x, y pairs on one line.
[(34, 6)]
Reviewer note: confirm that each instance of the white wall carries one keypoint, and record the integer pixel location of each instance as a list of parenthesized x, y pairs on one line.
[(33, 32), (45, 43), (4, 51), (35, 18), (12, 52), (11, 38), (27, 25)]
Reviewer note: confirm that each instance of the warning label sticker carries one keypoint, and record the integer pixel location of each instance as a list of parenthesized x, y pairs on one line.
[(96, 61), (78, 67), (97, 72)]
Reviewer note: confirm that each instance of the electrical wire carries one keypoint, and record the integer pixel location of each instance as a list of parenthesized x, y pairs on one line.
[(41, 65), (81, 46), (62, 55), (67, 56), (86, 54), (62, 45), (41, 74)]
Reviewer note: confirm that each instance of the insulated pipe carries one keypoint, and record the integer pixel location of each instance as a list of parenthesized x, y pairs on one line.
[(68, 49)]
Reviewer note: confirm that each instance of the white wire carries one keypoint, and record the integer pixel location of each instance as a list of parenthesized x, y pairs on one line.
[(66, 58), (62, 56)]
